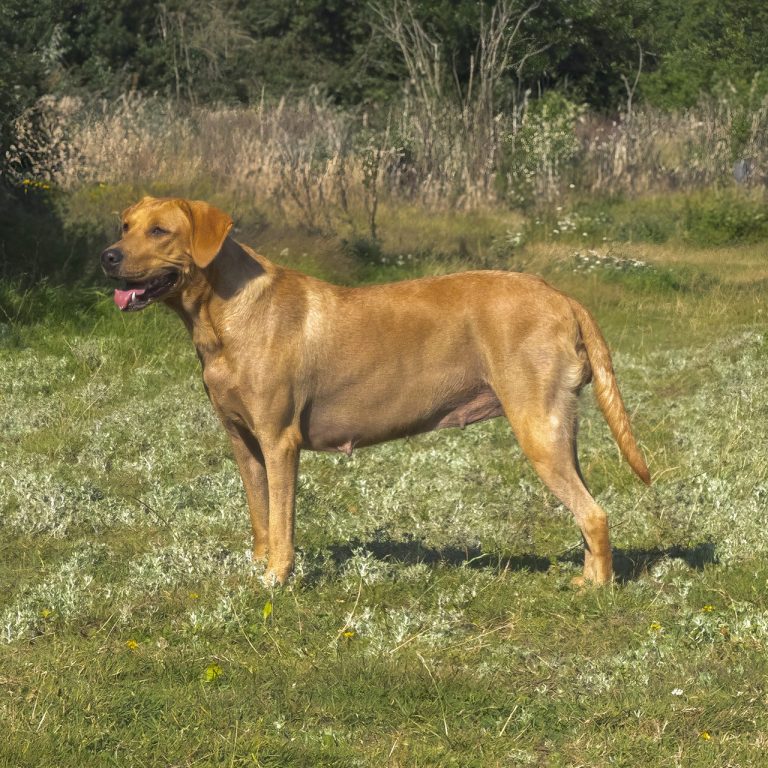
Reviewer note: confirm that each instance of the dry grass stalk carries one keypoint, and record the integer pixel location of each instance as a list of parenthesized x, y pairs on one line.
[(315, 164)]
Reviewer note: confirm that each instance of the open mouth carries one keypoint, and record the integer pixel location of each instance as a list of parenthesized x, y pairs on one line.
[(137, 295)]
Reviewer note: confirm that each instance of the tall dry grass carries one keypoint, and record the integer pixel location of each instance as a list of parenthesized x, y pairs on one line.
[(311, 162), (713, 144)]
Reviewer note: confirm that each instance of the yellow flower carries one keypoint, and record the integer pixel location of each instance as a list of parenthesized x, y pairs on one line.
[(131, 645), (348, 634), (708, 608), (706, 735), (45, 613), (655, 626), (212, 672), (193, 595)]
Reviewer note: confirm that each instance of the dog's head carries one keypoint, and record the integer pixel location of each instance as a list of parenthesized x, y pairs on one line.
[(165, 242)]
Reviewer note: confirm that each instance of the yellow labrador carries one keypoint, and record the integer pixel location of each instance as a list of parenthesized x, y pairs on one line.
[(290, 362)]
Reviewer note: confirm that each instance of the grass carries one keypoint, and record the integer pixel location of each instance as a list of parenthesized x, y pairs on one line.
[(702, 218), (431, 621)]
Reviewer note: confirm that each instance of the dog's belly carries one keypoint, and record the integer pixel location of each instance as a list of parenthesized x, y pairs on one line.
[(484, 405), (339, 429)]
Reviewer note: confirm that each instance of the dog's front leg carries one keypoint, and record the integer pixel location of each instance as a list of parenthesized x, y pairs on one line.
[(282, 461), (250, 462)]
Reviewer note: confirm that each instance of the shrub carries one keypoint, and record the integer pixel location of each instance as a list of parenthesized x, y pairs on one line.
[(726, 218)]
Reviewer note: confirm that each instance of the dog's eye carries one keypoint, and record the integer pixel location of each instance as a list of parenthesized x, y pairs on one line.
[(158, 231), (125, 226)]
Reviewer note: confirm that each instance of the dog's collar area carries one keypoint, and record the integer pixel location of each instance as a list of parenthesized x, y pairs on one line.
[(139, 294)]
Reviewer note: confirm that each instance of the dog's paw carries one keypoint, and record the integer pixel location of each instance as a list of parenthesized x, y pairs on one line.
[(259, 556), (582, 583), (269, 580), (276, 576), (587, 582)]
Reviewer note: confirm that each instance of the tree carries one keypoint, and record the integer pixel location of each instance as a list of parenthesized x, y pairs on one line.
[(30, 49), (701, 45)]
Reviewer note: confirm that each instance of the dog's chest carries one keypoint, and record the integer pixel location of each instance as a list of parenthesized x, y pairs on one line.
[(224, 389)]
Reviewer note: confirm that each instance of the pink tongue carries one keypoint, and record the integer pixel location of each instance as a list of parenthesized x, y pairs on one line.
[(123, 297)]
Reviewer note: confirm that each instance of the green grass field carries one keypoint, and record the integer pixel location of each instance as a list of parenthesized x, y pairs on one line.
[(431, 620)]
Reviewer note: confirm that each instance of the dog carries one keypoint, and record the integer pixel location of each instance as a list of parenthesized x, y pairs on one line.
[(290, 362)]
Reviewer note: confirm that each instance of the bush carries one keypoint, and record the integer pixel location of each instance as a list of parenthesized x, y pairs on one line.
[(726, 218), (537, 158), (35, 242)]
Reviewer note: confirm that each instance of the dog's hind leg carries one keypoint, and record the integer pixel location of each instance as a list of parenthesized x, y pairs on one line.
[(545, 424)]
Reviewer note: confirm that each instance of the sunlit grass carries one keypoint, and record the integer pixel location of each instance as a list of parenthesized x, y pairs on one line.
[(431, 619)]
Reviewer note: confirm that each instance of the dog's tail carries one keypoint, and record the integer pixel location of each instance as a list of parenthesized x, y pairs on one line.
[(607, 390)]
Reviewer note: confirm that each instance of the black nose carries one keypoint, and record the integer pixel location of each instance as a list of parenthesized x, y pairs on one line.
[(111, 259)]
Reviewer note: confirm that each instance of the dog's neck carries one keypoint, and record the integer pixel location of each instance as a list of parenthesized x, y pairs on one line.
[(233, 269), (224, 282)]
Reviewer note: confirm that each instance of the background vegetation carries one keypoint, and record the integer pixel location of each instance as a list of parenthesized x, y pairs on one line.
[(317, 116), (618, 148)]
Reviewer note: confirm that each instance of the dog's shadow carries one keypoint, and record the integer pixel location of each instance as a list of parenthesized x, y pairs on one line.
[(631, 564), (628, 564)]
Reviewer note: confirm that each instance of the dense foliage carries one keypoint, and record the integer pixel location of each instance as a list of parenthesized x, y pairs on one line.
[(511, 102), (230, 50)]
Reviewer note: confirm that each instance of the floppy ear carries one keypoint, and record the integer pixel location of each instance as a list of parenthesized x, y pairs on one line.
[(210, 227)]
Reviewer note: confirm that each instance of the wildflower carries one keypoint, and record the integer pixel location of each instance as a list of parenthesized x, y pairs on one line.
[(267, 611), (348, 634), (193, 596), (677, 692), (131, 645), (708, 608), (212, 672), (655, 626), (45, 613), (706, 735)]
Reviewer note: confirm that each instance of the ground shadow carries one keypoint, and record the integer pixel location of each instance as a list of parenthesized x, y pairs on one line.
[(629, 564), (36, 244), (411, 551)]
